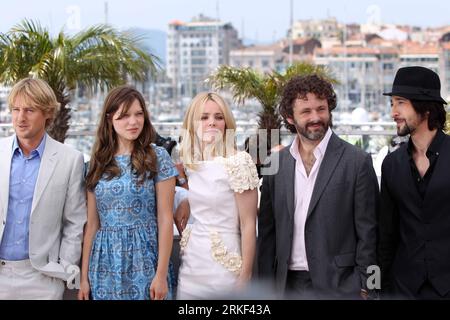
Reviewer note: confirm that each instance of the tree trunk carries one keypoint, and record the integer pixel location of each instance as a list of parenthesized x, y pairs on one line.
[(268, 119), (58, 129)]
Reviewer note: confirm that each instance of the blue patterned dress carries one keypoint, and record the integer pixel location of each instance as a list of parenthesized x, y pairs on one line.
[(124, 254)]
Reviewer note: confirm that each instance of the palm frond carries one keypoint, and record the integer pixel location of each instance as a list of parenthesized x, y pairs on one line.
[(111, 55), (246, 83), (243, 83), (447, 124), (99, 55)]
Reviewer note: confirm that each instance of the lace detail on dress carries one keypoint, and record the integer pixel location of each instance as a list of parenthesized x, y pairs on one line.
[(184, 239), (242, 172), (232, 261)]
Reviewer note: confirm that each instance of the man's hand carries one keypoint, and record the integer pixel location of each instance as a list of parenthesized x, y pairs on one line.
[(369, 295), (364, 294)]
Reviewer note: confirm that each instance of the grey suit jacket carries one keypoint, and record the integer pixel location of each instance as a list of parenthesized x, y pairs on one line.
[(340, 229), (58, 211)]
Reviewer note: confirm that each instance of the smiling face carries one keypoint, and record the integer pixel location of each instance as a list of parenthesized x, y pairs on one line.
[(403, 113), (28, 120), (128, 126), (212, 123), (311, 117)]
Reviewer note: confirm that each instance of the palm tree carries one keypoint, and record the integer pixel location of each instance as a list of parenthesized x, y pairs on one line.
[(246, 83), (98, 56), (447, 124)]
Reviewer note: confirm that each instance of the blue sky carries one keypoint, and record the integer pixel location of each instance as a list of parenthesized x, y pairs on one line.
[(262, 20)]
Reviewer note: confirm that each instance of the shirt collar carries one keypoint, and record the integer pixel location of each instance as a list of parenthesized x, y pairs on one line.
[(319, 150), (39, 149), (435, 145), (322, 146)]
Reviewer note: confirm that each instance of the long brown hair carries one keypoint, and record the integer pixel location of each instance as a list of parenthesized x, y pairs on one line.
[(143, 157)]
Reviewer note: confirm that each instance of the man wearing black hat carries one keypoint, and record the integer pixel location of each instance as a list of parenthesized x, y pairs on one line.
[(414, 225)]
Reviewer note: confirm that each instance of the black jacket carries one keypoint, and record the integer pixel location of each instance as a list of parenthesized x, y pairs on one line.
[(340, 230), (414, 233)]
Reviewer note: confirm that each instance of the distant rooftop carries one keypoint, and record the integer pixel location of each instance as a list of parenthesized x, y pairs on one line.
[(417, 48), (200, 20), (356, 51)]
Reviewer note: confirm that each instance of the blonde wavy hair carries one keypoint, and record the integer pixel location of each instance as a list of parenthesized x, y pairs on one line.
[(36, 93), (191, 152)]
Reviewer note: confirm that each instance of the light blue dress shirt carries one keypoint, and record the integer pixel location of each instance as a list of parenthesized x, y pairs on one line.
[(22, 181)]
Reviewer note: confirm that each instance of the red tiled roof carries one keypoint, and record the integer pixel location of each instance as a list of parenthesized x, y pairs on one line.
[(176, 22), (414, 48), (446, 45)]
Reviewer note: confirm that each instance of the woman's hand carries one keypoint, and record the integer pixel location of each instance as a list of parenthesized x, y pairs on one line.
[(242, 281), (159, 288), (85, 289)]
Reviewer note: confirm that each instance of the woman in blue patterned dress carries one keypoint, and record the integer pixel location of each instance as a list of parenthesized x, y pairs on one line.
[(128, 235)]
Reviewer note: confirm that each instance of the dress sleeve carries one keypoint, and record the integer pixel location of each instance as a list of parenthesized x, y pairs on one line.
[(242, 172), (166, 167)]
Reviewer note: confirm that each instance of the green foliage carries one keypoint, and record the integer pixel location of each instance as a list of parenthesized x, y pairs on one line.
[(447, 124), (246, 83), (99, 55)]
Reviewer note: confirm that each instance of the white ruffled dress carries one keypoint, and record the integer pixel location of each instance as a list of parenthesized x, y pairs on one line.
[(211, 247)]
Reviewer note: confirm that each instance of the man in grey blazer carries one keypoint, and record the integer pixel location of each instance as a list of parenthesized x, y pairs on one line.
[(317, 221), (42, 200)]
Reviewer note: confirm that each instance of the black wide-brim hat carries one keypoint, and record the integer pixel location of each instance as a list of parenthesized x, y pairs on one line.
[(417, 83)]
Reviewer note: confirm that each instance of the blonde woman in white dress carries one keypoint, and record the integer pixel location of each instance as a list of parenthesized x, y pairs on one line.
[(218, 249)]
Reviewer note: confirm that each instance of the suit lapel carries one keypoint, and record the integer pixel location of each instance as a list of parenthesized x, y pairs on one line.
[(408, 186), (48, 164), (330, 160), (5, 172), (288, 167), (440, 166)]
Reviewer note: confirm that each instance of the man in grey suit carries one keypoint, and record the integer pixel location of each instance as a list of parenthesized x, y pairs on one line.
[(317, 222), (42, 200)]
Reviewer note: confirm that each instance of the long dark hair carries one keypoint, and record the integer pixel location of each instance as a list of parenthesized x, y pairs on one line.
[(436, 113), (143, 157)]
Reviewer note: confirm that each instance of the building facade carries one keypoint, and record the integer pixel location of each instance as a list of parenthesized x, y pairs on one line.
[(195, 49)]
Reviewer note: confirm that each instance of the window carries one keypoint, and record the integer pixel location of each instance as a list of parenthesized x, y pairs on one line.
[(388, 66), (198, 53), (198, 61)]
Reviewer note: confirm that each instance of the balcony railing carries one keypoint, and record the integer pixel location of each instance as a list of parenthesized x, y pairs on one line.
[(371, 135)]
